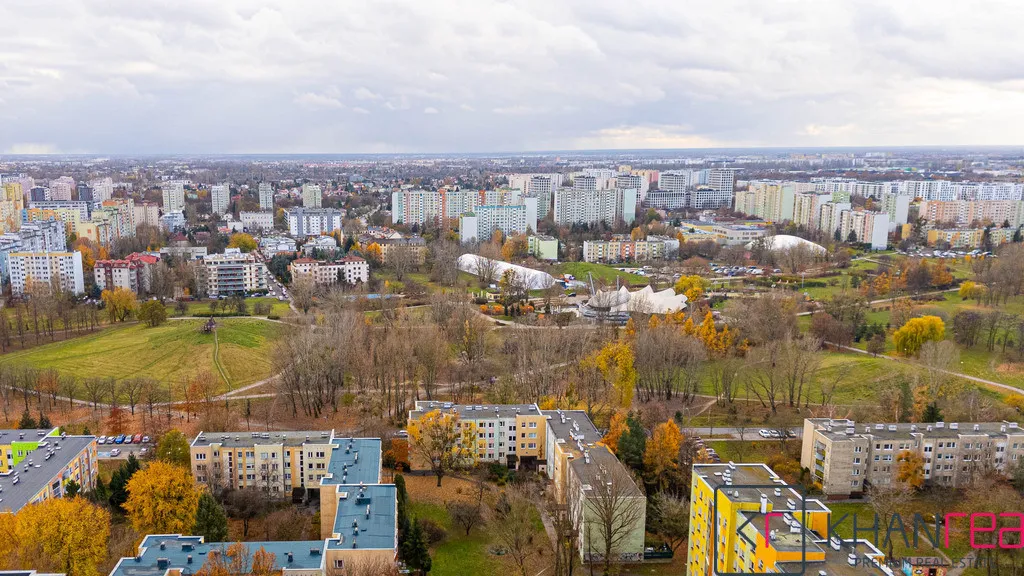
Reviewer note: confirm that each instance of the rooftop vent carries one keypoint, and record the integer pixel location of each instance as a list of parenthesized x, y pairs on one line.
[(188, 559), (291, 557), (314, 551), (162, 563)]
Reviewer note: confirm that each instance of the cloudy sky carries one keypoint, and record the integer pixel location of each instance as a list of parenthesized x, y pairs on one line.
[(248, 76)]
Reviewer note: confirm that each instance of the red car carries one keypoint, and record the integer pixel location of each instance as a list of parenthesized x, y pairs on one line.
[(137, 439)]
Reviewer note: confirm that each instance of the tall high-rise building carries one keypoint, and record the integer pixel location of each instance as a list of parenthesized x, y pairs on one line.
[(266, 196), (61, 188), (312, 197), (44, 267), (174, 196), (573, 206), (542, 187), (511, 219), (717, 192), (220, 198), (84, 192), (585, 183), (102, 189)]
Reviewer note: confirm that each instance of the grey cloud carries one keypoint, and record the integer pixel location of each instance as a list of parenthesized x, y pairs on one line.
[(366, 75)]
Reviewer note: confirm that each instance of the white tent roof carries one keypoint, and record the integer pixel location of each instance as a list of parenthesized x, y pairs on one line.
[(645, 300), (785, 241), (535, 279)]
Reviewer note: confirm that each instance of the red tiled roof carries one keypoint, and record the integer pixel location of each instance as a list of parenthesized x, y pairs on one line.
[(304, 261), (352, 259)]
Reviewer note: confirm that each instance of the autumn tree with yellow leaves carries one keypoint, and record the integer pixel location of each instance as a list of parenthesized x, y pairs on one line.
[(375, 254), (443, 442), (661, 455), (693, 287), (64, 535), (616, 427), (120, 303), (916, 332), (910, 469), (614, 362), (162, 499), (236, 559)]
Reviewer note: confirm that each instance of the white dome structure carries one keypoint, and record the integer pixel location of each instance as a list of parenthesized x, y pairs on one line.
[(785, 242), (535, 279)]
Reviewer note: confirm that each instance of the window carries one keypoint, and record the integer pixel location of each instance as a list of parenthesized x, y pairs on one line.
[(250, 453), (533, 445), (533, 424), (858, 449), (339, 563), (200, 456), (532, 435), (263, 455), (490, 424)]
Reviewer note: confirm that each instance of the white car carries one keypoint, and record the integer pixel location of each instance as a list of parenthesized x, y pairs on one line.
[(101, 440), (775, 434), (115, 452), (764, 433)]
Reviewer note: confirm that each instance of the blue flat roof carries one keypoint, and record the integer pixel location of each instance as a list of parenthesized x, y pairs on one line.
[(353, 460), (377, 531), (178, 548)]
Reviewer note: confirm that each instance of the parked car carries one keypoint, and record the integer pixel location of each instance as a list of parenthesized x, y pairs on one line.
[(115, 452), (128, 439), (775, 433), (145, 439), (101, 440), (137, 439), (119, 439), (144, 451), (764, 433)]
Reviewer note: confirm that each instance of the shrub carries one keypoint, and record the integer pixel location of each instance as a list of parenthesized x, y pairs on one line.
[(432, 531), (273, 317)]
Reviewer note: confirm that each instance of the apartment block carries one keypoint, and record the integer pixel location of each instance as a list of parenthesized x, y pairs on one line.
[(313, 221), (358, 513), (414, 247), (807, 208), (12, 202), (173, 196), (46, 267), (969, 237), (511, 219), (622, 248), (868, 227), (220, 198), (897, 207), (312, 196), (542, 187), (234, 272), (504, 431), (591, 482), (566, 447), (350, 270), (266, 194), (147, 213), (429, 206), (542, 247), (731, 530), (36, 465), (133, 272), (831, 216), (262, 220), (969, 213), (102, 189), (583, 206), (846, 457)]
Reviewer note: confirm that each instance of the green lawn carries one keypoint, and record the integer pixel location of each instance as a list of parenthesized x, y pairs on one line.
[(601, 272), (458, 554), (167, 353)]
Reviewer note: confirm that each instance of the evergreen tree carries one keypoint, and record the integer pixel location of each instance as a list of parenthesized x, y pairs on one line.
[(211, 521), (1018, 236), (932, 413), (633, 443), (71, 489), (851, 238), (906, 399), (27, 422), (119, 481), (414, 550), (44, 422), (837, 236)]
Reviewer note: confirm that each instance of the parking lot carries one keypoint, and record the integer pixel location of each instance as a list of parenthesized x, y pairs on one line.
[(114, 451)]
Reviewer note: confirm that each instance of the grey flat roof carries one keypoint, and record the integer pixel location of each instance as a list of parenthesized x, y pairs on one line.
[(378, 530), (354, 460), (41, 470), (836, 429), (754, 475), (471, 411), (178, 548), (249, 439), (602, 464)]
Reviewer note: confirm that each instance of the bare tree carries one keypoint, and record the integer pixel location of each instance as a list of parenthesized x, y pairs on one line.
[(513, 525), (615, 510), (302, 291), (487, 263), (132, 389), (432, 357), (402, 260), (444, 256), (565, 521), (769, 318), (365, 566), (725, 378), (94, 387)]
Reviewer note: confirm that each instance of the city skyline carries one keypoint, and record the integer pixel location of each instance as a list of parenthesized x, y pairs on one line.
[(504, 76)]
